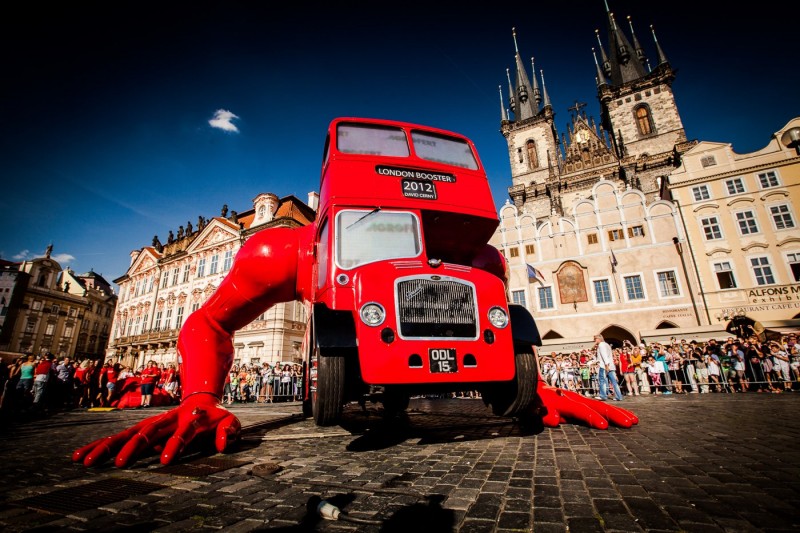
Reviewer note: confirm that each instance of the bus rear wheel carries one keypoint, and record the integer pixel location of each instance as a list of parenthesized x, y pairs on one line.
[(327, 398)]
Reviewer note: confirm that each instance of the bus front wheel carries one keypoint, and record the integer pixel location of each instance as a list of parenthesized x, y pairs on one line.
[(327, 398), (515, 398)]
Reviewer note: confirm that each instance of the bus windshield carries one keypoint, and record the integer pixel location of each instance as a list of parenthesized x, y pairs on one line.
[(367, 236), (447, 150), (371, 139)]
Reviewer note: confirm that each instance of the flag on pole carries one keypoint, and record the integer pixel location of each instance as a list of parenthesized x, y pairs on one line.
[(534, 273), (613, 262)]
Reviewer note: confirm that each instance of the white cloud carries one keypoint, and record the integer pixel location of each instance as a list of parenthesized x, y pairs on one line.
[(63, 258), (223, 120), (25, 255)]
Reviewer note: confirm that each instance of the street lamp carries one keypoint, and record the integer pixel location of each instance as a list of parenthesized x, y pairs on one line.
[(791, 139)]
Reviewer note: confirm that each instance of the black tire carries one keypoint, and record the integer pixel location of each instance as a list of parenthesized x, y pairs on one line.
[(516, 397), (308, 410), (327, 400)]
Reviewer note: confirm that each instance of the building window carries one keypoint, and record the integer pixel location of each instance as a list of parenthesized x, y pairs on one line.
[(533, 159), (762, 270), (747, 222), (179, 318), (711, 228), (591, 238), (55, 309), (168, 319), (157, 321), (545, 297), (768, 179), (513, 252), (137, 327), (602, 291), (195, 306), (781, 216), (37, 305), (530, 249), (72, 312), (144, 322), (68, 331), (212, 269), (724, 273), (185, 273), (227, 262), (175, 276), (794, 265), (150, 284), (137, 288), (633, 287), (708, 161), (643, 120), (735, 186), (667, 284), (519, 155), (49, 329), (164, 279), (701, 193), (636, 231), (518, 297), (201, 268), (615, 234)]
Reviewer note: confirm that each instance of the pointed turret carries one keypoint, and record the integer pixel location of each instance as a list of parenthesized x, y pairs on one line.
[(636, 46), (661, 57), (512, 102), (601, 80), (524, 103), (503, 115), (544, 90), (603, 56), (537, 94)]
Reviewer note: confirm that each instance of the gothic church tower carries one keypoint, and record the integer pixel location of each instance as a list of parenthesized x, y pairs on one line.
[(636, 143)]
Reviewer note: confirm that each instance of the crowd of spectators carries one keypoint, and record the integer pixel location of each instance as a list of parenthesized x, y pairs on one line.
[(734, 365), (263, 383)]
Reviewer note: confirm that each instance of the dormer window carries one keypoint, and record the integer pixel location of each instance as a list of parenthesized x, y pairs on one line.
[(262, 212)]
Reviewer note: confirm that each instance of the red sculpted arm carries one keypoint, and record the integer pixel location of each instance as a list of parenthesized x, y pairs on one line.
[(273, 266)]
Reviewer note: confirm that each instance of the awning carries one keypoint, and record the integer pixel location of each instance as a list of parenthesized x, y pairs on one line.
[(694, 333), (575, 344), (777, 328)]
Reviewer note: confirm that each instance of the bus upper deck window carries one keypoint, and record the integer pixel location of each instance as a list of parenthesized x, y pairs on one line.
[(442, 149), (371, 139)]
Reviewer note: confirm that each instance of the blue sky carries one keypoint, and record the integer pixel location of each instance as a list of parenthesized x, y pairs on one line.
[(110, 134)]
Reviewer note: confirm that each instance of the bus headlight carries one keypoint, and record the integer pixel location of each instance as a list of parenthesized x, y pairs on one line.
[(372, 314), (498, 317)]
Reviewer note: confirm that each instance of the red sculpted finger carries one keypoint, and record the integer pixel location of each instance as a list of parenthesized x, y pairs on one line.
[(227, 432), (615, 415), (147, 437)]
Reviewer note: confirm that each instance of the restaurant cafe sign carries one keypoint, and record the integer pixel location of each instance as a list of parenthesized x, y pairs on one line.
[(776, 294)]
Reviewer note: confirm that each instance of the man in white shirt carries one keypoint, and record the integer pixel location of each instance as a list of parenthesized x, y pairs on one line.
[(607, 370)]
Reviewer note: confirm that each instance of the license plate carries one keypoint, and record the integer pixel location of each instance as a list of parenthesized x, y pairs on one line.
[(442, 360), (425, 190)]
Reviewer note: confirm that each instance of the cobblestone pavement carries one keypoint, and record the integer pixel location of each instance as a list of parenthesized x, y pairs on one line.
[(718, 462)]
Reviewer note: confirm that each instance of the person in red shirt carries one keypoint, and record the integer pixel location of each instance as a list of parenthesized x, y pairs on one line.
[(149, 377), (41, 376), (108, 381), (170, 379)]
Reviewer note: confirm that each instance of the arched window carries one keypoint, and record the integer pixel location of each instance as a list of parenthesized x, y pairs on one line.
[(533, 160), (643, 120)]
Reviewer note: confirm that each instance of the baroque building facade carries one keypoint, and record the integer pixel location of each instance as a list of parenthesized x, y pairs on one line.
[(167, 282), (589, 212), (741, 218), (55, 310)]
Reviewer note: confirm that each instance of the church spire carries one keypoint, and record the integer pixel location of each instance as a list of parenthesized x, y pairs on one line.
[(601, 80), (640, 55), (503, 115), (544, 90), (537, 94), (603, 56), (524, 104), (624, 66), (512, 102), (661, 57)]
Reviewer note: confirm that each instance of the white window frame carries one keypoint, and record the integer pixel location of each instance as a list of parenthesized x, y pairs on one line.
[(768, 175), (644, 297), (594, 291), (701, 193), (678, 284), (515, 297), (552, 298), (186, 269), (789, 213), (737, 183), (752, 268), (175, 274), (201, 267), (731, 269), (738, 222), (227, 261), (717, 224), (213, 267)]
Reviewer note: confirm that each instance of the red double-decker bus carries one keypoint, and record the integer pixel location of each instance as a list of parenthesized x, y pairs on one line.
[(407, 296)]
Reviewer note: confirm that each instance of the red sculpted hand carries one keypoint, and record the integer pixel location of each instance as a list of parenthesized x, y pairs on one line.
[(198, 414), (559, 406)]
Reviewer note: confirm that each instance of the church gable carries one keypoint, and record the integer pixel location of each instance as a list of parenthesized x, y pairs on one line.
[(214, 234)]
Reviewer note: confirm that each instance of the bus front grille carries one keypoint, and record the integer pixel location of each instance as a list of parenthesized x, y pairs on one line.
[(436, 309)]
